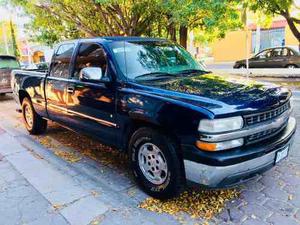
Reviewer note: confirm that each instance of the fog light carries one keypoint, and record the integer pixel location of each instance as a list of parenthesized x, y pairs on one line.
[(212, 147)]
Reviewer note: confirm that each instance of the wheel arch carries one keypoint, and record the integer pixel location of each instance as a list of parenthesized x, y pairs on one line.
[(23, 94), (136, 124), (291, 64)]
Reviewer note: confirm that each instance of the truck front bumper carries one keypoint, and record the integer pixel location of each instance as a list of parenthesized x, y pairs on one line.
[(215, 170)]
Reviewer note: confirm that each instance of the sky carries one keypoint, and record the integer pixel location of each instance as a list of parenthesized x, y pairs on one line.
[(17, 17)]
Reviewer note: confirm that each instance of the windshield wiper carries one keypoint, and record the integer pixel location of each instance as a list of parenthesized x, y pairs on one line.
[(155, 75), (192, 71)]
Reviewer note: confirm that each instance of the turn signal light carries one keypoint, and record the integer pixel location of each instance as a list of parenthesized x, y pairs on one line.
[(211, 147), (220, 146)]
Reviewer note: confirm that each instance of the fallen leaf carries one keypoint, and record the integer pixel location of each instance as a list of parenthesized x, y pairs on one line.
[(198, 204), (94, 193)]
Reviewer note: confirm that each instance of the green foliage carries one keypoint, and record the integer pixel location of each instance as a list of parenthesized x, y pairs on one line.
[(277, 7), (270, 7), (54, 20)]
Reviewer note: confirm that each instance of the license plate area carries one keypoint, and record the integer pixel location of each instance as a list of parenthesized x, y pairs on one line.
[(282, 154)]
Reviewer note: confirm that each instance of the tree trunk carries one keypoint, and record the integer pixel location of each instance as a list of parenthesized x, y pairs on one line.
[(183, 33), (172, 32), (292, 25)]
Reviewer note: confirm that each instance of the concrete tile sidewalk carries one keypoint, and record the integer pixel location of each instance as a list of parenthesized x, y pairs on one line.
[(48, 191)]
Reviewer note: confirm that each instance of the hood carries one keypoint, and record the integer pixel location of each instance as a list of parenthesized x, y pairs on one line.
[(221, 95)]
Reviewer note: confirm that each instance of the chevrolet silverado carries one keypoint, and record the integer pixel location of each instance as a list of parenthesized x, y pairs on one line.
[(149, 98)]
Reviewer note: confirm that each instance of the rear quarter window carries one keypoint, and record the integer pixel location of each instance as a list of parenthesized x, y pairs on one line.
[(61, 62)]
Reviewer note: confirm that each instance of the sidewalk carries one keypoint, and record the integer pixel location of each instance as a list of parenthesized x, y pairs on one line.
[(40, 194), (39, 188)]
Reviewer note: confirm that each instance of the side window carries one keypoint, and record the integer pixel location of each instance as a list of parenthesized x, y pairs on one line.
[(90, 55), (61, 61), (286, 52), (277, 52), (264, 55)]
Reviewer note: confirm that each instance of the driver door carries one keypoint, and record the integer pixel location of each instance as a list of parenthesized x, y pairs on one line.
[(91, 104), (261, 60)]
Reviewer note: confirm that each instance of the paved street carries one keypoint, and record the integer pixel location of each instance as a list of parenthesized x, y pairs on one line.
[(46, 180)]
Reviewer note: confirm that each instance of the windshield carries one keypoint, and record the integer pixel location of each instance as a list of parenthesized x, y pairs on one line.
[(9, 63), (140, 59)]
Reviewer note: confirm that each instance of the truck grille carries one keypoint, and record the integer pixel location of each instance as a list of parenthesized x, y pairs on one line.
[(265, 116), (264, 135)]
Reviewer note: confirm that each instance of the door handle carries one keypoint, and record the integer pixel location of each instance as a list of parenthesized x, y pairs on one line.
[(71, 90)]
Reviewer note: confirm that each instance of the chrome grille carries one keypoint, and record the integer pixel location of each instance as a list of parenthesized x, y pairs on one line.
[(261, 135), (265, 116)]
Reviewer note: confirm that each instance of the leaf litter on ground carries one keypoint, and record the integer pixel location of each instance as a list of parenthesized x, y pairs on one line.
[(197, 203)]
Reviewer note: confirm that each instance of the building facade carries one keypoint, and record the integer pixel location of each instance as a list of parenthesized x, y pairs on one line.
[(234, 46)]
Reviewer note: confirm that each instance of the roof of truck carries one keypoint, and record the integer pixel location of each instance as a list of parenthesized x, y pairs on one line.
[(132, 38), (115, 38)]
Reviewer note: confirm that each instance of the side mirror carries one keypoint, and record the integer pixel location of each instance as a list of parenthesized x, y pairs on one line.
[(90, 74)]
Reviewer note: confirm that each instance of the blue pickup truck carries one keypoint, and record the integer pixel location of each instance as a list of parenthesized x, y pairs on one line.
[(149, 98)]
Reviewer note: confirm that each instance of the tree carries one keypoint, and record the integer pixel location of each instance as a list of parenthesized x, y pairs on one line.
[(54, 20), (211, 18), (278, 7), (13, 39), (63, 19)]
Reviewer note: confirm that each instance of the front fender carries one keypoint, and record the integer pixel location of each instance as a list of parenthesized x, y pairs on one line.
[(172, 116)]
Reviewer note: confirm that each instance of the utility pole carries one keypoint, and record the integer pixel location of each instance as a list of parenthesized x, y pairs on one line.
[(245, 21)]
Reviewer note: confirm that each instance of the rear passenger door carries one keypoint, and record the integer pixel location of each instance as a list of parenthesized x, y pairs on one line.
[(57, 82), (91, 104), (279, 58)]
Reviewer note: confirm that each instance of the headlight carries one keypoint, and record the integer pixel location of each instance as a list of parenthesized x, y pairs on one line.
[(221, 125)]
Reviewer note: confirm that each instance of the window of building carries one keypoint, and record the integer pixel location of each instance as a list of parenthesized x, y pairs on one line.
[(268, 39), (61, 61), (90, 55)]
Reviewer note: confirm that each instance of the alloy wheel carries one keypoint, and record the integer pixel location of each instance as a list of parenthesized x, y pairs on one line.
[(152, 163)]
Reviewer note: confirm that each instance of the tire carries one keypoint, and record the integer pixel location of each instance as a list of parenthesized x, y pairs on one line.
[(164, 161), (33, 122), (291, 66)]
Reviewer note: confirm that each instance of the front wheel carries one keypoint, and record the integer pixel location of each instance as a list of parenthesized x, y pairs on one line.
[(242, 66), (156, 164), (33, 122)]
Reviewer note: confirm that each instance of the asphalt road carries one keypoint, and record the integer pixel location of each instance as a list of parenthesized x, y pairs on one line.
[(40, 185)]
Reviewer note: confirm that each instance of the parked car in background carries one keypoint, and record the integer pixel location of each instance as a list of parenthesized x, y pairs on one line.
[(149, 98), (280, 57), (7, 64)]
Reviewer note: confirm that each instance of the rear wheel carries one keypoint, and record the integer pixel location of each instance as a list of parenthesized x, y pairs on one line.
[(33, 122), (291, 66), (156, 164)]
